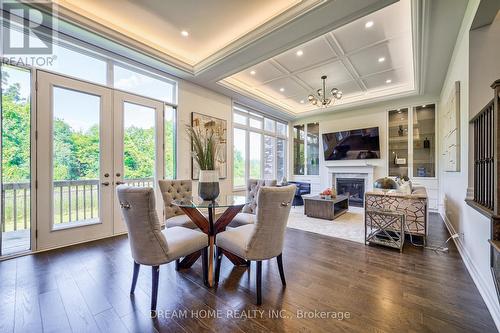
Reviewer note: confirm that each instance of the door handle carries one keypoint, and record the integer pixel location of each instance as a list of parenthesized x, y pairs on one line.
[(105, 183), (119, 183)]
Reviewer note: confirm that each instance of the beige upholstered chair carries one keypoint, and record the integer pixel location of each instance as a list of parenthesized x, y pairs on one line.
[(173, 190), (264, 239), (149, 245), (247, 215)]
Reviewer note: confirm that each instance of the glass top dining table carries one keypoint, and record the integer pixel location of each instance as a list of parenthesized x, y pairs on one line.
[(223, 201), (208, 224)]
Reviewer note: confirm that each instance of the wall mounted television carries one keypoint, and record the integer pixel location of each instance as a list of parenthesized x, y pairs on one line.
[(358, 144)]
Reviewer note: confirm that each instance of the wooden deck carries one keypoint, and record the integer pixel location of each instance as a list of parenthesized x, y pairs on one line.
[(86, 288), (15, 241)]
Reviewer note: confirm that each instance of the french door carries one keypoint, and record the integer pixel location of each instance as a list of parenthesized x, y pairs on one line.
[(91, 138), (138, 146)]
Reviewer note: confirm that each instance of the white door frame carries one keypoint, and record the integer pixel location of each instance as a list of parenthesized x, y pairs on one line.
[(48, 236), (120, 98)]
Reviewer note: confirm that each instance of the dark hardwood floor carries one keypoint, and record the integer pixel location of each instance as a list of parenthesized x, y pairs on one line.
[(85, 288)]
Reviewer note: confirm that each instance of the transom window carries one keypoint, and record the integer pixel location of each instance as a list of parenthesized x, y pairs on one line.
[(259, 148), (82, 61)]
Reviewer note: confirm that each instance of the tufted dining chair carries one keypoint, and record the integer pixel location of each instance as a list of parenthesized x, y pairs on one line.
[(173, 190), (247, 215), (150, 245), (263, 239)]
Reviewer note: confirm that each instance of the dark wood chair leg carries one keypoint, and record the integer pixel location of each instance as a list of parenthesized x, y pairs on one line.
[(279, 259), (154, 289), (177, 264), (134, 277), (204, 265), (259, 282), (218, 260)]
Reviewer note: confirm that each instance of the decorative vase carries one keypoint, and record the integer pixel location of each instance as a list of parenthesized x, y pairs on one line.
[(208, 185)]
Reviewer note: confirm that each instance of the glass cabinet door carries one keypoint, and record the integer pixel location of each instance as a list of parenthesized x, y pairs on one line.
[(298, 149), (312, 149), (424, 141), (398, 143)]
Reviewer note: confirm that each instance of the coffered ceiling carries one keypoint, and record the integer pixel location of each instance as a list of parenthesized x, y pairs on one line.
[(228, 39), (367, 59)]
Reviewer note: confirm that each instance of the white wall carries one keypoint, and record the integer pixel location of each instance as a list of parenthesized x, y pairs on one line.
[(194, 98), (484, 62), (359, 118), (474, 227)]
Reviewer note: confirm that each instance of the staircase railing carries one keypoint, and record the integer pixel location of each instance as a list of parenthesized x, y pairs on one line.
[(486, 199)]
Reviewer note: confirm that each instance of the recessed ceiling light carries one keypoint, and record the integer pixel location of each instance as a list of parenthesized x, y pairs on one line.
[(252, 72), (184, 33), (300, 53), (369, 24), (282, 89), (388, 81), (424, 105), (381, 59), (399, 111), (301, 101)]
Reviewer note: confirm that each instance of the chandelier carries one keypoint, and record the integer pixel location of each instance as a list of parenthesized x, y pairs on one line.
[(321, 98)]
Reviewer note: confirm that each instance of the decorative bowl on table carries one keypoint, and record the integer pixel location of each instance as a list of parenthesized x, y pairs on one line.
[(327, 194)]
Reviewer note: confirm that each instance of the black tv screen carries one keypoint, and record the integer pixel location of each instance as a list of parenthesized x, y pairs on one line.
[(359, 144)]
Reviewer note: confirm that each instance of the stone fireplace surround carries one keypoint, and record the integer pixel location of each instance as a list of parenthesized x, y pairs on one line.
[(355, 171)]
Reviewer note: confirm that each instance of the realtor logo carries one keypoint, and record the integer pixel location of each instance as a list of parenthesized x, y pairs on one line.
[(26, 30)]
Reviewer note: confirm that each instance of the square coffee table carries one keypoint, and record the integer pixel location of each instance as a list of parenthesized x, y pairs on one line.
[(328, 209)]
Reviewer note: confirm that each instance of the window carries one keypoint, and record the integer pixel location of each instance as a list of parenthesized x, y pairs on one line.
[(86, 62), (255, 154), (169, 141), (269, 156), (145, 85), (239, 158), (260, 145)]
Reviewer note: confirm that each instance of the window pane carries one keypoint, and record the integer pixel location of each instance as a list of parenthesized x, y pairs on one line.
[(298, 149), (280, 159), (239, 119), (281, 129), (239, 152), (269, 125), (255, 155), (255, 123), (424, 141), (76, 155), (78, 65), (138, 83), (313, 149), (170, 149), (398, 143), (269, 143), (63, 60), (16, 174), (138, 144)]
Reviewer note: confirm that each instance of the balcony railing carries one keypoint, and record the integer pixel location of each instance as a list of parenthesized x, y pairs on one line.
[(74, 200)]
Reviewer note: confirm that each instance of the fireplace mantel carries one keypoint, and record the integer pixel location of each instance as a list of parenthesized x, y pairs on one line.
[(351, 171)]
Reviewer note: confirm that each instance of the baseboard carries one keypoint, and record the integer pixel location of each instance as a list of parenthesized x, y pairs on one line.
[(489, 296)]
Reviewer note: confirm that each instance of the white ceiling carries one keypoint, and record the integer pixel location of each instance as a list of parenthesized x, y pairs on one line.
[(348, 55), (345, 50), (211, 24)]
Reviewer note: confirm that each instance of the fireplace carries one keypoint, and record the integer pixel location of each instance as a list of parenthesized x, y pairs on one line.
[(354, 188)]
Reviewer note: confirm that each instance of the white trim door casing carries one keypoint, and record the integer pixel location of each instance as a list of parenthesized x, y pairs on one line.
[(50, 235), (120, 99)]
